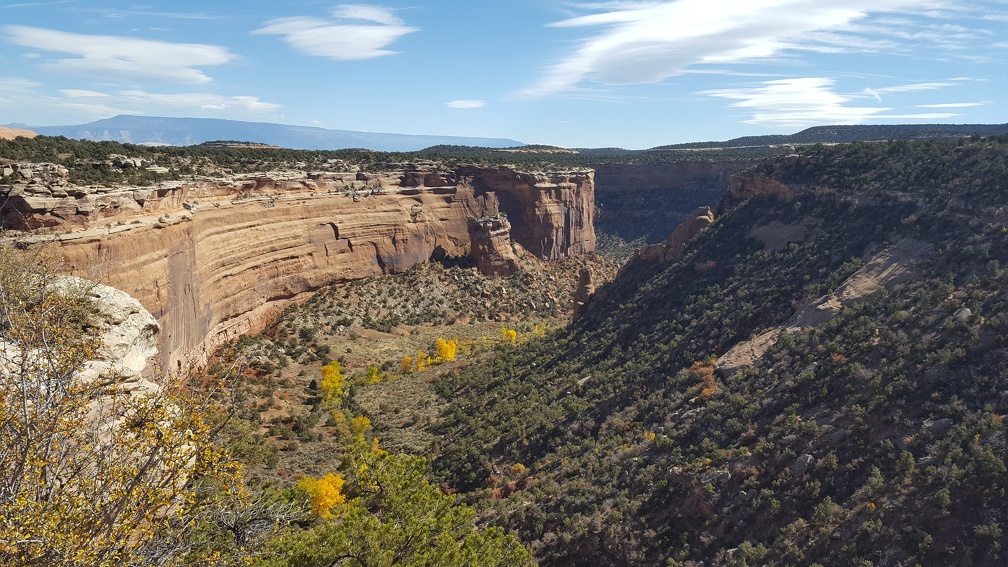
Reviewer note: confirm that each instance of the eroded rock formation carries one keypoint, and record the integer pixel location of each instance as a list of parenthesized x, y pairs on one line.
[(552, 215), (673, 247), (490, 242), (215, 258), (749, 185), (584, 292)]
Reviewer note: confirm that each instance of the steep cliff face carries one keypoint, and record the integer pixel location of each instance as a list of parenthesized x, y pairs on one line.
[(552, 215), (212, 259), (643, 202)]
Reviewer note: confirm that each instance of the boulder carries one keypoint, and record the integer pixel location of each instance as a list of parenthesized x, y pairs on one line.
[(801, 464)]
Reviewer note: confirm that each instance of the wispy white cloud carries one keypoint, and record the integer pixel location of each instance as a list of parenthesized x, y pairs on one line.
[(797, 103), (646, 41), (116, 13), (80, 104), (915, 87), (117, 57), (808, 101), (368, 13), (80, 93), (17, 84), (141, 100), (467, 104), (877, 93), (36, 4), (873, 93), (953, 105), (356, 32)]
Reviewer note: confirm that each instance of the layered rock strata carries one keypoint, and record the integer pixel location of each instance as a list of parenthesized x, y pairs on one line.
[(215, 258), (551, 215), (490, 245)]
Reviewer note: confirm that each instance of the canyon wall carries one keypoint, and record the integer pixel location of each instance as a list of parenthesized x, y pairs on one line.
[(647, 201), (213, 259)]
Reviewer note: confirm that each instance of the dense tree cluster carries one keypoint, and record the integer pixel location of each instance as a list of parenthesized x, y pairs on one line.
[(876, 438)]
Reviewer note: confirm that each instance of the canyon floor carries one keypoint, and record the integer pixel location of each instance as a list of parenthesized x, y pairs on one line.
[(369, 325)]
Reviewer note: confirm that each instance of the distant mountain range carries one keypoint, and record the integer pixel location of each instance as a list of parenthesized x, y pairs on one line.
[(152, 130), (191, 131), (857, 133)]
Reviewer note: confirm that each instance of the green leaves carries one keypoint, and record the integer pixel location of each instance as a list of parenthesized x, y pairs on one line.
[(394, 517)]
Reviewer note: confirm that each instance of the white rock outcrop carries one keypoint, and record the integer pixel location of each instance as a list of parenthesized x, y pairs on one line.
[(129, 337)]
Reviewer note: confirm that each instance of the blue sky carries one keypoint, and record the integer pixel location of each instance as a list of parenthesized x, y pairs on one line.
[(630, 73)]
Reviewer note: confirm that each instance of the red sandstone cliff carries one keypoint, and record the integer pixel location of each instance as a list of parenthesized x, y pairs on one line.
[(552, 215), (212, 259)]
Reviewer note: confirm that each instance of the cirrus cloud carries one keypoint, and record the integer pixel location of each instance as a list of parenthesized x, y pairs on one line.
[(644, 41), (73, 105), (796, 103), (140, 102), (357, 32), (807, 101), (118, 57)]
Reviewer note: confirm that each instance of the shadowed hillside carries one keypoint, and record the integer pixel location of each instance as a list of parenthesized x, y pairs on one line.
[(868, 431)]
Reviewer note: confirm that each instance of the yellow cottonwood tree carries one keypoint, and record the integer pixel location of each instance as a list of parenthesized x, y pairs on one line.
[(393, 516), (332, 385), (421, 361), (360, 425), (446, 350), (324, 494)]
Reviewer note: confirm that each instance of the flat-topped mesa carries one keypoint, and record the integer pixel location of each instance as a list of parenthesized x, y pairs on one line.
[(490, 245), (213, 258)]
